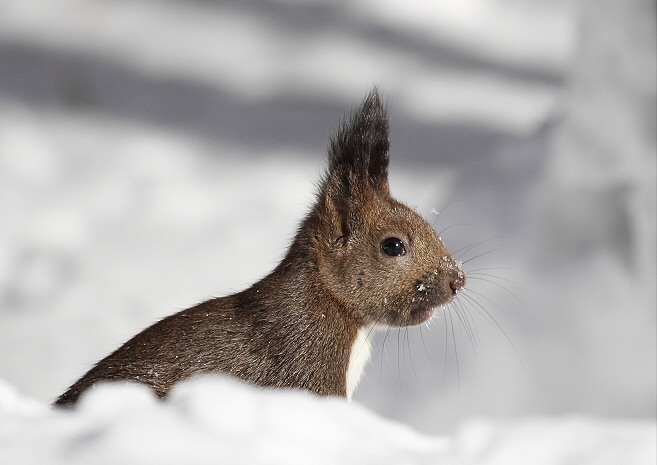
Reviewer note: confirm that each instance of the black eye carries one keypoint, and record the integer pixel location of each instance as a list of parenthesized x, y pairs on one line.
[(393, 247)]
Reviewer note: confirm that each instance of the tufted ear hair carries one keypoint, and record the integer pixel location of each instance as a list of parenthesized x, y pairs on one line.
[(358, 159), (361, 146)]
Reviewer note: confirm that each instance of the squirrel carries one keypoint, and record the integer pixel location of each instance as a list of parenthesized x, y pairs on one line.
[(359, 260)]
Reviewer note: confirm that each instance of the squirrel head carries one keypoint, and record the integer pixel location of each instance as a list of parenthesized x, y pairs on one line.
[(380, 259)]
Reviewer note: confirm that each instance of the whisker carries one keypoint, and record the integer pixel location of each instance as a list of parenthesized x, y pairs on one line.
[(479, 256), (438, 213), (464, 323), (479, 294), (423, 344), (492, 276), (469, 319), (469, 326), (369, 333), (467, 248), (403, 340), (480, 308), (446, 338), (398, 360), (410, 354), (452, 226), (385, 336), (456, 354), (495, 284), (490, 269)]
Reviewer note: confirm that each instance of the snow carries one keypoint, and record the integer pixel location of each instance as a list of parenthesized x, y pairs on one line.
[(212, 418), (155, 154)]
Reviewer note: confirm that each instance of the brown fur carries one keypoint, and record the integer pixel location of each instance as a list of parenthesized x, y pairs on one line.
[(296, 327)]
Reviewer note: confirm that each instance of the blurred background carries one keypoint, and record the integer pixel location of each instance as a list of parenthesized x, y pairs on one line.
[(154, 154)]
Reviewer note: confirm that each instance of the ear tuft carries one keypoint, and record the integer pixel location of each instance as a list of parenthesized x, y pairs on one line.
[(361, 146)]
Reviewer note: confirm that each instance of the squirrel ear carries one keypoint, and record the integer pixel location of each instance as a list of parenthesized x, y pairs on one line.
[(358, 160), (361, 146)]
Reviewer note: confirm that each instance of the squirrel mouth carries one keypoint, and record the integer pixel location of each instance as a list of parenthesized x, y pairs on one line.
[(422, 313)]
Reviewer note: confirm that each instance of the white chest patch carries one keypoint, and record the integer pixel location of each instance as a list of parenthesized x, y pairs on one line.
[(360, 354)]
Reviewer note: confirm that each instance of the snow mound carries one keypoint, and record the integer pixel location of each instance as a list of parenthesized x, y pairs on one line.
[(213, 419)]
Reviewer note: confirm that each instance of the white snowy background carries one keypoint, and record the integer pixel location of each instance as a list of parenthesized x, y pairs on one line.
[(154, 154)]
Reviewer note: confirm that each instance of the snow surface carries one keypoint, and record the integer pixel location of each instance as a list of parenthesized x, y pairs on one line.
[(213, 419), (155, 154)]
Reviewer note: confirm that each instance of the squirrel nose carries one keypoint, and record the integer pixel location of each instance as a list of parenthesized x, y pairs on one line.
[(457, 281)]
